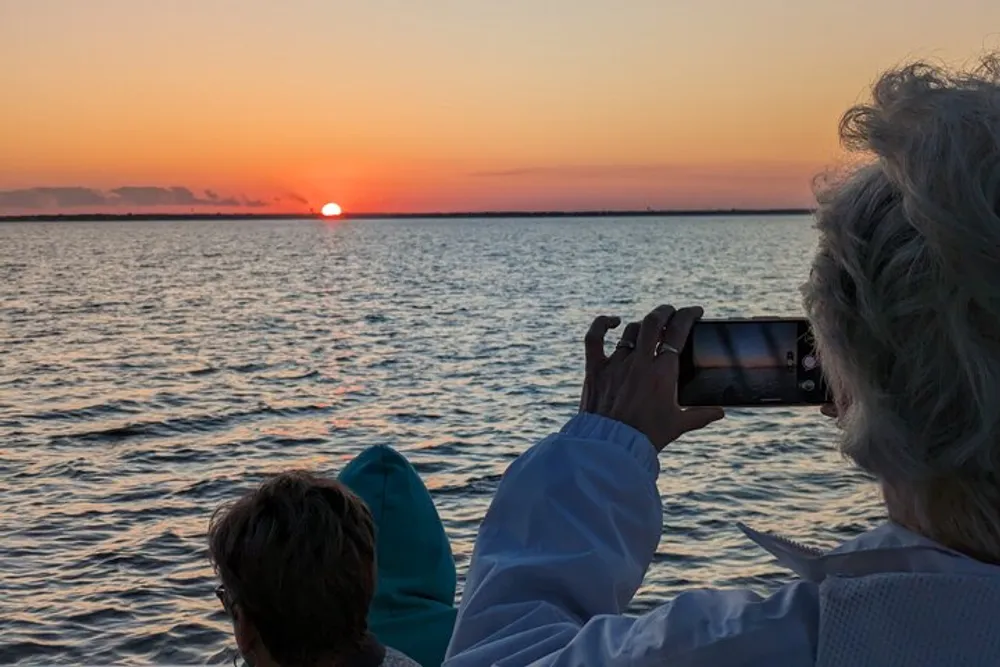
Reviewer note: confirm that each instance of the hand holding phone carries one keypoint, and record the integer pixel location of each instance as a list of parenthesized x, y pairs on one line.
[(637, 384)]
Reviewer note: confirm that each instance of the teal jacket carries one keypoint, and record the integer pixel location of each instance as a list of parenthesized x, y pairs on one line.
[(414, 606)]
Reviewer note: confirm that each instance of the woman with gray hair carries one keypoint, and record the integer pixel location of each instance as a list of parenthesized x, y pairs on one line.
[(904, 298)]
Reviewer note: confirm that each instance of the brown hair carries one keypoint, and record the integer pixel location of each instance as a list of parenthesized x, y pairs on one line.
[(297, 557)]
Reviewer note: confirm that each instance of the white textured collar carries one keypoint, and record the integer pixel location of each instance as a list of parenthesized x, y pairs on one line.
[(887, 548)]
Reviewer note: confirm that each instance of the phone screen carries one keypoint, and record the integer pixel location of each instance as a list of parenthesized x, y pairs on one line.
[(751, 363)]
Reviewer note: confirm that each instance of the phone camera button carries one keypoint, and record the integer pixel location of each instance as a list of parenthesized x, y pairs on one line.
[(809, 362), (807, 385)]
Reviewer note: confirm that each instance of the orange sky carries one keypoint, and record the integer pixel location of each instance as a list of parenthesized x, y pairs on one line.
[(443, 104)]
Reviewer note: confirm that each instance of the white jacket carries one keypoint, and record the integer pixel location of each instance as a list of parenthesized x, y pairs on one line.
[(576, 521)]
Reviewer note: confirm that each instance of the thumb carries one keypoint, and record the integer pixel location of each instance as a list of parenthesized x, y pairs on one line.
[(693, 419)]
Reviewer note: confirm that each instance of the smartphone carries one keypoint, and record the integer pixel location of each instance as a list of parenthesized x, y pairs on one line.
[(762, 361)]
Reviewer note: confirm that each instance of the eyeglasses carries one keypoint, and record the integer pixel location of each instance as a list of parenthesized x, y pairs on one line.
[(227, 603)]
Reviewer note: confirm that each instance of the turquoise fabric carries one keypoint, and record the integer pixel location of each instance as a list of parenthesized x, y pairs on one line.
[(414, 606)]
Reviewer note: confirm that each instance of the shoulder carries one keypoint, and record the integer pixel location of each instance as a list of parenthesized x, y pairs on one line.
[(738, 627), (394, 658)]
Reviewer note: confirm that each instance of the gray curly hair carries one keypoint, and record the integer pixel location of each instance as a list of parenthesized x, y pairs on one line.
[(904, 297)]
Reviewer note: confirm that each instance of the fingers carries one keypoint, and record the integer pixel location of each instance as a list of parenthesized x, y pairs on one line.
[(830, 410), (652, 329), (693, 419), (679, 328), (593, 342), (628, 340)]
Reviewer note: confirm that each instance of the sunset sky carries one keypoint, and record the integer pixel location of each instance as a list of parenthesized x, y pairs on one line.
[(443, 105)]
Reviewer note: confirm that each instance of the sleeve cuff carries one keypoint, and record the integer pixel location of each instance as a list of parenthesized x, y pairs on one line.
[(588, 426)]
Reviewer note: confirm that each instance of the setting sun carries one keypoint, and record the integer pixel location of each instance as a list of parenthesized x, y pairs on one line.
[(331, 210)]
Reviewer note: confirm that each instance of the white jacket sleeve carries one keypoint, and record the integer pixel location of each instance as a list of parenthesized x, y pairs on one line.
[(564, 547)]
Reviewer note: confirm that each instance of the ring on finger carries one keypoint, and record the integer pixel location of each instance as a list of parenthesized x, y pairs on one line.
[(667, 347), (626, 344)]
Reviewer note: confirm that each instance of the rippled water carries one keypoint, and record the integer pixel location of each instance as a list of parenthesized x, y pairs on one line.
[(150, 371)]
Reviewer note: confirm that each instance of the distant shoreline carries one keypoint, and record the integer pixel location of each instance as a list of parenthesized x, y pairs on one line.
[(143, 217)]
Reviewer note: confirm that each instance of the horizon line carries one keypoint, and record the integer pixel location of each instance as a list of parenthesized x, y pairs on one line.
[(386, 215)]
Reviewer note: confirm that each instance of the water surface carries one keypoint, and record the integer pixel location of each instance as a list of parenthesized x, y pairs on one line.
[(152, 370)]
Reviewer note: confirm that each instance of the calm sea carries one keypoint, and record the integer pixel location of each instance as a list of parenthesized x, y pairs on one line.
[(152, 370)]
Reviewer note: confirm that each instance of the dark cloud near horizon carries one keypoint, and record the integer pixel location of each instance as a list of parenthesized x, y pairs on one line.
[(296, 198), (141, 196), (628, 171), (147, 195), (292, 197), (51, 198), (581, 171)]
